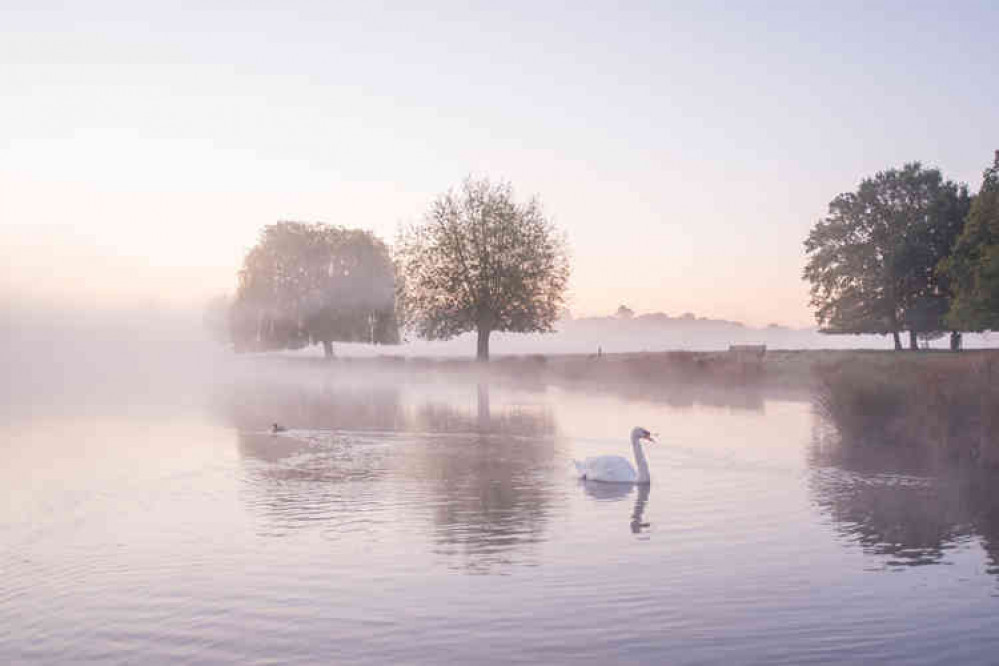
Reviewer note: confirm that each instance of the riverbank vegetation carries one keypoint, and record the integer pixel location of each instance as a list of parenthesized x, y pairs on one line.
[(937, 408)]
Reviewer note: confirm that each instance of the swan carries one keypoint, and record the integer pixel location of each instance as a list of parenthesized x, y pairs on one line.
[(275, 428), (615, 469)]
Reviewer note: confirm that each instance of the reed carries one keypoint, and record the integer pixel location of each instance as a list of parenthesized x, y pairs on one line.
[(941, 407)]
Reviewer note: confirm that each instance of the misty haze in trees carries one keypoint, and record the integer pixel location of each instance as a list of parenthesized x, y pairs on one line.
[(973, 266), (215, 319), (308, 284), (480, 261), (873, 260)]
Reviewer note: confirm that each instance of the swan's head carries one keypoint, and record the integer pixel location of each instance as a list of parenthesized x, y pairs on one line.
[(641, 433)]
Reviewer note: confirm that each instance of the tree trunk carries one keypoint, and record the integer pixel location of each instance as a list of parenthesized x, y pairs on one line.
[(484, 412), (955, 341), (913, 343), (482, 353), (328, 348), (898, 340)]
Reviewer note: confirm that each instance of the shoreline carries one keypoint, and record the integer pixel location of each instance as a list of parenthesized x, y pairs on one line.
[(938, 406), (777, 368)]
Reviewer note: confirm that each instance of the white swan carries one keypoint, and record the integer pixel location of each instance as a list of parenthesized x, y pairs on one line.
[(615, 469)]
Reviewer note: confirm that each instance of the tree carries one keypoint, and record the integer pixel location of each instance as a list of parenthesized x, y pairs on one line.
[(973, 266), (308, 284), (480, 261), (624, 312), (872, 260), (932, 239)]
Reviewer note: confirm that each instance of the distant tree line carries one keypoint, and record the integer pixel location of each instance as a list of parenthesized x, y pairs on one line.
[(908, 251), (479, 261)]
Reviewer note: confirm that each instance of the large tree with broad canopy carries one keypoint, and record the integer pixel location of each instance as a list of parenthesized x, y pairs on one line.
[(480, 261), (308, 284), (872, 261)]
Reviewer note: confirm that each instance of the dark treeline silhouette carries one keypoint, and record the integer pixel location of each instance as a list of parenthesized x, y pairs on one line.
[(908, 250), (973, 266)]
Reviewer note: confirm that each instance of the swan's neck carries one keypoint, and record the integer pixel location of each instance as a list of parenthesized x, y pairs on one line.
[(640, 462)]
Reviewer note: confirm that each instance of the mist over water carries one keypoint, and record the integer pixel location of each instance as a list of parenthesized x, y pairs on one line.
[(416, 516), (196, 468)]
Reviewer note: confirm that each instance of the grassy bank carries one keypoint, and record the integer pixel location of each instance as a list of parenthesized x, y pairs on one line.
[(938, 407), (648, 369)]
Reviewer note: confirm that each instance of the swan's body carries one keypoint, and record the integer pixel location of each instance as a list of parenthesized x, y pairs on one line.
[(615, 469), (610, 469), (275, 428)]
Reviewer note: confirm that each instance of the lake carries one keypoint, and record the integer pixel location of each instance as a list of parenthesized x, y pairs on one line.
[(148, 516)]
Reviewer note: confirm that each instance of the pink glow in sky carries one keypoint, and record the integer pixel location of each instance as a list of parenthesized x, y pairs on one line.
[(685, 150)]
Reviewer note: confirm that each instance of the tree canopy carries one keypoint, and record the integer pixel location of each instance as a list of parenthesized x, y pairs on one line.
[(624, 312), (872, 260), (973, 267), (481, 261), (307, 284)]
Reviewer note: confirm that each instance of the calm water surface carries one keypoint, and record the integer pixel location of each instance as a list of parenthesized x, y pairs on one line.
[(432, 519)]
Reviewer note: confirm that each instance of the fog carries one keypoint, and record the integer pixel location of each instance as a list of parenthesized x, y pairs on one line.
[(663, 333), (49, 351), (185, 483), (164, 361), (107, 360), (409, 496)]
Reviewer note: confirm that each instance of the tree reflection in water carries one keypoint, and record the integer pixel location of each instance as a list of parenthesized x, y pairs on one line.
[(900, 509), (488, 475), (304, 479), (310, 401), (356, 455)]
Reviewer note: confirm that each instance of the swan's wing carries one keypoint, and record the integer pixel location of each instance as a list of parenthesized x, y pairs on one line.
[(610, 468)]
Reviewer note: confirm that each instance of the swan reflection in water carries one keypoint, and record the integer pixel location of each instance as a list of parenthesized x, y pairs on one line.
[(636, 516), (614, 492)]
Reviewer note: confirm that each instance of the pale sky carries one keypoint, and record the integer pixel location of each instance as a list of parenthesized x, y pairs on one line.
[(685, 148)]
